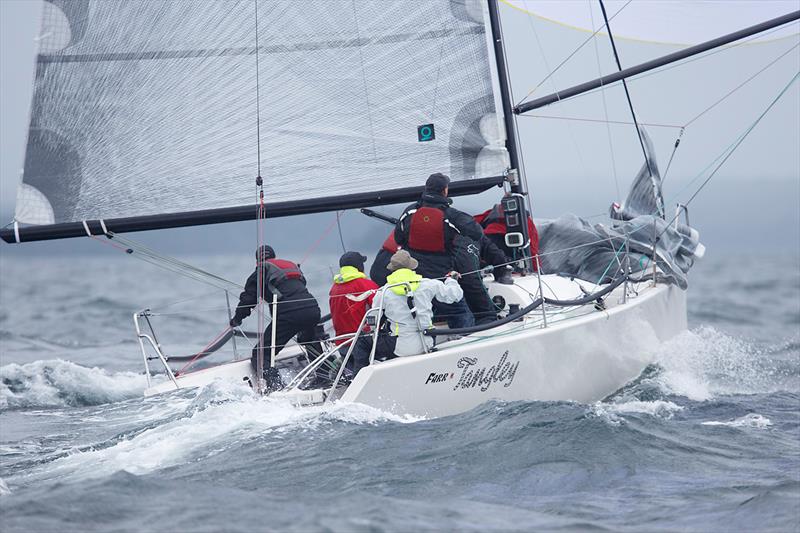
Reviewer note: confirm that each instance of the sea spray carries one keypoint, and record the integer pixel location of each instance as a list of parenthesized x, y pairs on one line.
[(703, 363), (58, 383)]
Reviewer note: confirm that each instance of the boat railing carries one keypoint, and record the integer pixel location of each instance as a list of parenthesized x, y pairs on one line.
[(152, 340)]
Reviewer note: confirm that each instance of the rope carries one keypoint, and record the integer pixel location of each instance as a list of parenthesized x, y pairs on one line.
[(203, 351), (659, 200), (316, 243)]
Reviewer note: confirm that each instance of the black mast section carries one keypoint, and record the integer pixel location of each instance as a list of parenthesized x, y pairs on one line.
[(517, 179), (505, 92), (656, 63)]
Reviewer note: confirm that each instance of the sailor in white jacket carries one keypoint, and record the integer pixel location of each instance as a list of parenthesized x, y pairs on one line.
[(414, 292)]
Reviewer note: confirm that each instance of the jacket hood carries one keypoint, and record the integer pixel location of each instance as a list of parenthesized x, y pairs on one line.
[(347, 274), (403, 275)]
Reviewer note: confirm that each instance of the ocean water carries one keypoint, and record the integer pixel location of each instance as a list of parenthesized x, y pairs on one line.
[(707, 439)]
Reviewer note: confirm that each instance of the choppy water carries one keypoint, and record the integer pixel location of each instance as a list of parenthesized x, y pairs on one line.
[(706, 440)]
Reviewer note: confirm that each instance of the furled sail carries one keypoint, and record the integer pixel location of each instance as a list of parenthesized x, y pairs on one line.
[(148, 111)]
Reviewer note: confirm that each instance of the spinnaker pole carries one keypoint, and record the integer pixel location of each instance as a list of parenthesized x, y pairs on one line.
[(656, 63), (516, 176)]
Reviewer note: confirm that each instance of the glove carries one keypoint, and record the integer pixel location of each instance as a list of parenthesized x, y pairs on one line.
[(453, 274), (235, 322)]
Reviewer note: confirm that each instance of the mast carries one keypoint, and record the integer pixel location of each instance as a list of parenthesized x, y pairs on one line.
[(516, 176)]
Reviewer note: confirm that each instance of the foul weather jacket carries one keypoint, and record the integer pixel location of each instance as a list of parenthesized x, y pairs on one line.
[(395, 307), (494, 226), (350, 297), (291, 290), (437, 265)]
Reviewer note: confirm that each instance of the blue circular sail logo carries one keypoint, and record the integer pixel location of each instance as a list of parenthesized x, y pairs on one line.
[(425, 132)]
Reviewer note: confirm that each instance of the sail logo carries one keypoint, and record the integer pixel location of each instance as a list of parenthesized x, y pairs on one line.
[(426, 132), (473, 376)]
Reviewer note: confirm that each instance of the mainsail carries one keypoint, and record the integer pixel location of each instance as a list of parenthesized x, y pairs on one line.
[(146, 112)]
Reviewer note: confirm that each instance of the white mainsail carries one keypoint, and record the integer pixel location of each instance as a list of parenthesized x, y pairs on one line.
[(147, 108)]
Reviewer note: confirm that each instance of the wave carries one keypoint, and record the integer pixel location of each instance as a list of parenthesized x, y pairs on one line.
[(752, 420), (704, 363), (59, 383), (4, 490), (218, 417), (611, 411)]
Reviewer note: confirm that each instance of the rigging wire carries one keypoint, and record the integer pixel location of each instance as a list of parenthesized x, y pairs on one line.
[(564, 61), (604, 121), (259, 225), (658, 198), (719, 101), (743, 137), (745, 82), (552, 82), (605, 107)]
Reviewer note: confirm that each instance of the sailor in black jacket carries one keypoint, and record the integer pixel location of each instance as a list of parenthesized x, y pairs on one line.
[(428, 229), (298, 311)]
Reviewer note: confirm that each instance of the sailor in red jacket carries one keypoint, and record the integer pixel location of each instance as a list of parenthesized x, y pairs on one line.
[(494, 227), (351, 294)]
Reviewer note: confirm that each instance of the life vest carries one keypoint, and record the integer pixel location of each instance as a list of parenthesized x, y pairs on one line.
[(426, 230), (287, 268)]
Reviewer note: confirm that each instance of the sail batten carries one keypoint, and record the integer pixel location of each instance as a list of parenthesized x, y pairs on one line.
[(246, 51), (145, 109)]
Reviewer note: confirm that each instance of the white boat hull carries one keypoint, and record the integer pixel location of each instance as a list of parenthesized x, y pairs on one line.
[(583, 355), (583, 359)]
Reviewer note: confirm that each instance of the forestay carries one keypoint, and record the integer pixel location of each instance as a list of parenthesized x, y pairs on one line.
[(142, 109)]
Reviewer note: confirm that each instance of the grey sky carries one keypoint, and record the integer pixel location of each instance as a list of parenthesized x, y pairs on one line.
[(569, 164)]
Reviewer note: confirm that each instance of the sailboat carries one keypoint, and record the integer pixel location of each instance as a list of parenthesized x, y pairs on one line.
[(163, 114)]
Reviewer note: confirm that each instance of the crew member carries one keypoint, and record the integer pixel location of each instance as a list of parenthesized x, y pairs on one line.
[(298, 311), (351, 294), (494, 227), (378, 270), (427, 229), (408, 305)]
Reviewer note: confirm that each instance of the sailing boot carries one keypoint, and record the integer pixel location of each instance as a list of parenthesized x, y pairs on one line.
[(503, 275)]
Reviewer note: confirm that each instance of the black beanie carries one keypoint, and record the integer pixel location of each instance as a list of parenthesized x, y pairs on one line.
[(265, 252)]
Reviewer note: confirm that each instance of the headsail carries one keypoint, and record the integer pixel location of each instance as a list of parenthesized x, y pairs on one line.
[(146, 111)]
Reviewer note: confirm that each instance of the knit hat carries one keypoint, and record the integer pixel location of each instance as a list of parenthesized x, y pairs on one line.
[(265, 252), (353, 259), (437, 183), (402, 259)]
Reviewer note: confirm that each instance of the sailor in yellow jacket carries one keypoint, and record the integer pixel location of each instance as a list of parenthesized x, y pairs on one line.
[(408, 303)]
